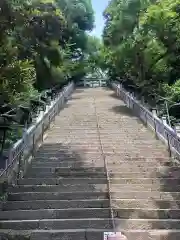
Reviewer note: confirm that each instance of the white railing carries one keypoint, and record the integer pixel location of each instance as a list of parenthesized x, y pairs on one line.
[(163, 131), (23, 151)]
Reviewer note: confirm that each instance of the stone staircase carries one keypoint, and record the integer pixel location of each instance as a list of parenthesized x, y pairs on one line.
[(65, 193)]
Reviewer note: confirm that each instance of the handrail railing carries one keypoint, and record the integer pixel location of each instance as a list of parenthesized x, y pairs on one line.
[(167, 134), (23, 151)]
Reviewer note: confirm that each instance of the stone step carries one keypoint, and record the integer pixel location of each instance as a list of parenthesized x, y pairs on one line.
[(140, 213), (141, 146), (147, 224), (95, 147), (58, 188), (146, 153), (92, 187), (49, 151), (87, 158), (66, 145), (142, 152), (143, 181), (60, 155), (97, 163), (76, 213), (96, 174), (111, 168), (97, 223), (87, 234), (71, 135), (64, 181), (146, 187), (55, 204), (70, 234), (91, 203), (68, 169), (105, 141), (79, 180), (68, 174), (150, 203), (72, 164), (59, 224), (121, 158), (56, 196), (157, 195), (69, 213)]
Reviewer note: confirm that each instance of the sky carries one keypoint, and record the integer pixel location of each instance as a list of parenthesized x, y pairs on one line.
[(99, 6)]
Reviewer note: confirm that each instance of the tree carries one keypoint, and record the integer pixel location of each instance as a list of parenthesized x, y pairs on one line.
[(42, 43), (142, 39)]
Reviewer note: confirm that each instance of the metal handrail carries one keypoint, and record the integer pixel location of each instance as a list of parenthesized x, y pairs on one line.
[(167, 134), (23, 150)]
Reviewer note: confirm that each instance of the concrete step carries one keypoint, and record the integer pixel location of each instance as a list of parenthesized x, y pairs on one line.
[(170, 181), (145, 153), (98, 223), (118, 162), (92, 195), (88, 143), (95, 174), (91, 203), (60, 155), (136, 159), (140, 213), (72, 164), (122, 158), (68, 174), (58, 224), (70, 234), (87, 234), (100, 163), (74, 213), (66, 158), (147, 224), (79, 180), (93, 187), (58, 188), (106, 148), (64, 181), (68, 169), (56, 196), (55, 204), (156, 195), (142, 188), (111, 168), (91, 146), (150, 203)]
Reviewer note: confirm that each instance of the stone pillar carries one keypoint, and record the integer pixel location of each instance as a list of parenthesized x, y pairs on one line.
[(164, 120), (177, 129), (142, 100), (154, 112), (132, 94)]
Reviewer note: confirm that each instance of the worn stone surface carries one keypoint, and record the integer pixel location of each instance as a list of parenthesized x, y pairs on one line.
[(65, 196)]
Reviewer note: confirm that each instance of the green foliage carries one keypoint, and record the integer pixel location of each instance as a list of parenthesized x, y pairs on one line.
[(95, 57), (142, 40), (42, 45), (38, 41)]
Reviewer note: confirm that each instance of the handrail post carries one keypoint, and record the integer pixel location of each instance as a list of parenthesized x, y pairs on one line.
[(169, 145), (42, 137), (33, 147)]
